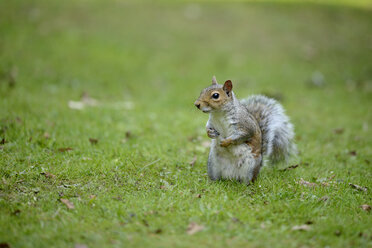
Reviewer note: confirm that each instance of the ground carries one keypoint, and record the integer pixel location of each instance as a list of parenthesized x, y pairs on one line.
[(101, 145)]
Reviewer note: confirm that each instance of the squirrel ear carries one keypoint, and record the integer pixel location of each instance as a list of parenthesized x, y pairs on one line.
[(214, 80), (227, 87)]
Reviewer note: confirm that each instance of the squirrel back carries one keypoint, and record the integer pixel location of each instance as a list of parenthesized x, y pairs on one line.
[(277, 131)]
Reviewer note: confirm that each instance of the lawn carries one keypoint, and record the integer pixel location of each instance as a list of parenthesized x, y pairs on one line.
[(101, 145)]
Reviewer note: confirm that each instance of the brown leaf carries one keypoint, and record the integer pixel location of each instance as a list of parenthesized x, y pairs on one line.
[(358, 187), (303, 227), (87, 100), (65, 149), (193, 161), (128, 134), (338, 130), (324, 198), (68, 204), (194, 228), (290, 167), (4, 245), (306, 183), (46, 135), (93, 141), (353, 153), (48, 175), (366, 207)]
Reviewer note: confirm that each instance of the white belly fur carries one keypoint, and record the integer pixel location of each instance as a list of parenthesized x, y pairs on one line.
[(233, 162)]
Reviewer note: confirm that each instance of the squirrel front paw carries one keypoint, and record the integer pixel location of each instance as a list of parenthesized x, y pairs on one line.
[(212, 133), (226, 142)]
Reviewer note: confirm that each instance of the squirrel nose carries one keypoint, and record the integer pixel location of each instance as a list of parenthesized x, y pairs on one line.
[(197, 105)]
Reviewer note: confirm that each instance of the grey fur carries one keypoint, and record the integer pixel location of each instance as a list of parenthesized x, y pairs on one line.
[(277, 130), (254, 128)]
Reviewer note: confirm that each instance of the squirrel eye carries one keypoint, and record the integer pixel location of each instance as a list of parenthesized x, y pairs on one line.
[(215, 95)]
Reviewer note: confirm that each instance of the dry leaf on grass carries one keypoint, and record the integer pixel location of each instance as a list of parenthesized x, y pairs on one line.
[(68, 204), (290, 167), (338, 130), (303, 227), (366, 207), (93, 141), (358, 187), (46, 135), (4, 245), (193, 161), (353, 153), (306, 183), (194, 228), (48, 175), (65, 149)]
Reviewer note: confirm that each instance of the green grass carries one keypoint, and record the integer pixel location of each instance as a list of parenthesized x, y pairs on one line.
[(145, 64)]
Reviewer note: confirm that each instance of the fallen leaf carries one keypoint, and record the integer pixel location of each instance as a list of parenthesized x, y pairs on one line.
[(65, 149), (324, 198), (338, 130), (46, 135), (306, 183), (4, 245), (290, 167), (48, 175), (198, 195), (366, 207), (236, 220), (353, 153), (193, 161), (358, 187), (93, 141), (68, 204), (194, 228), (128, 134), (16, 212), (87, 100), (303, 227)]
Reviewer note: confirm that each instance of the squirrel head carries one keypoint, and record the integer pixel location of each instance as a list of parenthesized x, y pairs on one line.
[(214, 97)]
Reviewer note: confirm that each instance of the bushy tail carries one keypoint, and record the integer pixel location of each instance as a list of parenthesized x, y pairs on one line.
[(277, 131)]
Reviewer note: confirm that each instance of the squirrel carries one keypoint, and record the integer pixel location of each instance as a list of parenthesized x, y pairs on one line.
[(243, 132)]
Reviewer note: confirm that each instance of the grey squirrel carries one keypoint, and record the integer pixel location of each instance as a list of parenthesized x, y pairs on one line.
[(243, 132)]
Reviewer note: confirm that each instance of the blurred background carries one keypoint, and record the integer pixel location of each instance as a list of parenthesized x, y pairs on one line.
[(139, 66)]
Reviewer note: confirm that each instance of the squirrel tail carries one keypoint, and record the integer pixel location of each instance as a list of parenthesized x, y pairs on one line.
[(277, 130)]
